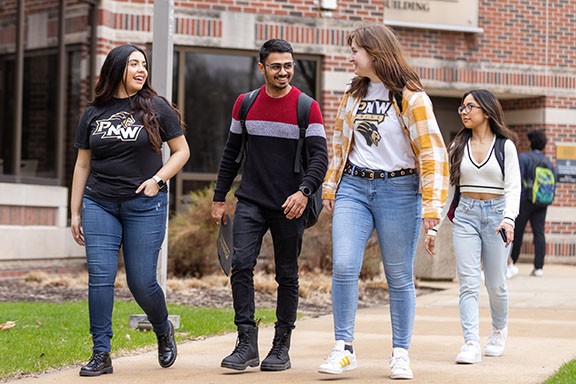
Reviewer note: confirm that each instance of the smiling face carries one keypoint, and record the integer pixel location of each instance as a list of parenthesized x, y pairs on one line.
[(472, 115), (135, 75), (275, 72), (362, 62)]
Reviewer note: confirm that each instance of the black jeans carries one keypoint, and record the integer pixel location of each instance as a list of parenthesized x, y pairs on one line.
[(537, 217), (250, 224)]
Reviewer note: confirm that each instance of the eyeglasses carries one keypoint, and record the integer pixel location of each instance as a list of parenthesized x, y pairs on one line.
[(467, 108), (277, 67)]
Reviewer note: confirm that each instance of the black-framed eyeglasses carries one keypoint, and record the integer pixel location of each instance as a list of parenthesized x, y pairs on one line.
[(467, 108), (277, 67)]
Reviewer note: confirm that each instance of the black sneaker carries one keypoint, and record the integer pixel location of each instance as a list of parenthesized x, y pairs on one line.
[(99, 364), (245, 353), (167, 351), (278, 358)]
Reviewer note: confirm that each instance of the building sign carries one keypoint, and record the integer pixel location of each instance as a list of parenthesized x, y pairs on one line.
[(452, 15), (566, 163)]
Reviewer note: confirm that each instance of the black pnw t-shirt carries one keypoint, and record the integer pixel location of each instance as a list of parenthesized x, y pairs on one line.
[(122, 155)]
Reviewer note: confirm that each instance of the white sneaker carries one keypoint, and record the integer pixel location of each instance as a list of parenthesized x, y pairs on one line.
[(537, 272), (469, 353), (400, 365), (511, 271), (340, 360), (496, 342)]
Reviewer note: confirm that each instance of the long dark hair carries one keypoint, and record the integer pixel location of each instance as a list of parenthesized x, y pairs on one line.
[(493, 109), (390, 65), (112, 76)]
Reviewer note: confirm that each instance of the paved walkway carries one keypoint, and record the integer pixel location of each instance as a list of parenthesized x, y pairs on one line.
[(542, 337)]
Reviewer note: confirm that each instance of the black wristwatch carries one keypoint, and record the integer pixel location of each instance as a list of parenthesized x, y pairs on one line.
[(305, 190), (159, 181)]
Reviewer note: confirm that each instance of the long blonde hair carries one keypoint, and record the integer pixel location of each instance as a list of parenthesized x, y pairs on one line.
[(390, 65)]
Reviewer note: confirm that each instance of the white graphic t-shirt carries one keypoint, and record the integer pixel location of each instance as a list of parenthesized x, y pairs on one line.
[(379, 139)]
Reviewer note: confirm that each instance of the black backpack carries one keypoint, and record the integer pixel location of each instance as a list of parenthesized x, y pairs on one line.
[(310, 215)]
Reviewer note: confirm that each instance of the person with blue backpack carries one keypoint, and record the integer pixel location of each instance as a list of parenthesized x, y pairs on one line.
[(485, 179), (538, 189)]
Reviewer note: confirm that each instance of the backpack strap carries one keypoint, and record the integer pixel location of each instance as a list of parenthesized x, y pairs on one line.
[(245, 106), (499, 152), (304, 105)]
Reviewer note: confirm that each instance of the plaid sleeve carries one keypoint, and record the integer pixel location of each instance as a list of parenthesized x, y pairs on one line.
[(339, 143), (431, 152)]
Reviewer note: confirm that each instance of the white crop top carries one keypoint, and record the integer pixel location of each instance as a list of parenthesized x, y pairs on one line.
[(486, 177)]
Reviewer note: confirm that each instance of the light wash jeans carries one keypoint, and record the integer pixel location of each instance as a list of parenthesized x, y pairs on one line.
[(393, 208), (138, 225), (475, 243)]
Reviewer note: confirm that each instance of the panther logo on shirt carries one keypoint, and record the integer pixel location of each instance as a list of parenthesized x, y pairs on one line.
[(370, 114), (118, 126)]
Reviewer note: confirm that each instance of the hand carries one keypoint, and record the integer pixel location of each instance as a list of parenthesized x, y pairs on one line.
[(328, 204), (150, 188), (430, 223), (219, 212), (429, 244), (295, 205), (509, 229), (76, 228)]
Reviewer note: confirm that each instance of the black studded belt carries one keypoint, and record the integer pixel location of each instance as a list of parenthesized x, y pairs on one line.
[(371, 174)]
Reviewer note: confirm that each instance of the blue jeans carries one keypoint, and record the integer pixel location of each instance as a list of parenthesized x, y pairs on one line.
[(250, 224), (475, 243), (392, 206), (138, 225)]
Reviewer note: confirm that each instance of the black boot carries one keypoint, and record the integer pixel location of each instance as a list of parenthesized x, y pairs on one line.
[(167, 348), (278, 359), (99, 363), (246, 352)]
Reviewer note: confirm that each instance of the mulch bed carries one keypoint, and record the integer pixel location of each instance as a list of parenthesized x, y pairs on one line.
[(317, 304)]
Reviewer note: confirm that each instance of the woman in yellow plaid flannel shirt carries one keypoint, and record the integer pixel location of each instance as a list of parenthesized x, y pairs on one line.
[(389, 172)]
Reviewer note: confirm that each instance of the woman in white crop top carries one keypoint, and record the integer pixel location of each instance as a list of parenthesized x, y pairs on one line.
[(484, 217)]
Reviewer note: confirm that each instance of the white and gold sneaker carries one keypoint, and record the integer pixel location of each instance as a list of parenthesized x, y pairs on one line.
[(340, 360)]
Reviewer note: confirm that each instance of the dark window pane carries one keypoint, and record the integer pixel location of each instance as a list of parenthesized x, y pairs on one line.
[(212, 83), (7, 106), (39, 116)]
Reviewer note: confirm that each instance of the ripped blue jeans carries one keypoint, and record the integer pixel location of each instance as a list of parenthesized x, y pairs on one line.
[(138, 225)]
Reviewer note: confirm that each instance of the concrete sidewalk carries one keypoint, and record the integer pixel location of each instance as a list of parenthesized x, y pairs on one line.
[(542, 337)]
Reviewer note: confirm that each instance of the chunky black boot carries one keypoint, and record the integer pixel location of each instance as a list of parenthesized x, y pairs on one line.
[(167, 348), (99, 364), (278, 359), (246, 351)]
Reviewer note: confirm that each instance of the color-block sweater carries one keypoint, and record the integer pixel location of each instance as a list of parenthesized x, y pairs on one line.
[(268, 176)]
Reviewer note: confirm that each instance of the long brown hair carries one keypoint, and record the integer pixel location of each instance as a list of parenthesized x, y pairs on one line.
[(390, 65), (112, 76), (493, 109)]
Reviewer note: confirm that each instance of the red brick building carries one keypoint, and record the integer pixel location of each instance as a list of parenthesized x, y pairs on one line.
[(523, 50)]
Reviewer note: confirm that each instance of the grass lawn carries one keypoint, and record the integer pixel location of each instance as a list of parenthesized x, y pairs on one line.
[(49, 335), (565, 375)]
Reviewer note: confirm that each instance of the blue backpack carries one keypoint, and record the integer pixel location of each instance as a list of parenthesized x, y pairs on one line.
[(541, 186)]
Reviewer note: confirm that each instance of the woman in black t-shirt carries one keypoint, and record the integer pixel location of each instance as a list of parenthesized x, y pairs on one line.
[(119, 196)]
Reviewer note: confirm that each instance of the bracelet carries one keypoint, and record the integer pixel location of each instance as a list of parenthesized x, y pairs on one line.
[(219, 202)]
